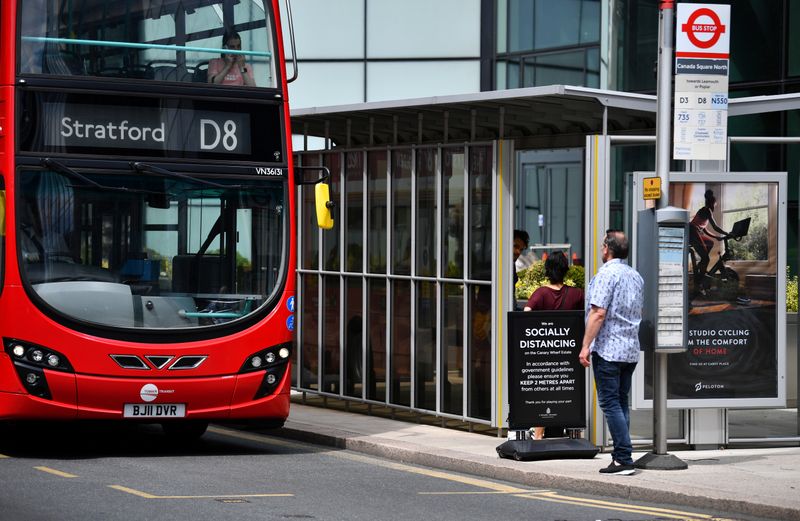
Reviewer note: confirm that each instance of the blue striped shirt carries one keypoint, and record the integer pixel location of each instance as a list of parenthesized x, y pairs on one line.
[(618, 289)]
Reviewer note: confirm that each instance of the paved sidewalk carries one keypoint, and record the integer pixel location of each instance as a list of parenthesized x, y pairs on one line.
[(762, 482)]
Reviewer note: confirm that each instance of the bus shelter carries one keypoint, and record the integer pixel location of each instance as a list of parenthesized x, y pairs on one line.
[(403, 302)]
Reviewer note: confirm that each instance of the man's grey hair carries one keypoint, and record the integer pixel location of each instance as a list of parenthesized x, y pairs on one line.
[(617, 243)]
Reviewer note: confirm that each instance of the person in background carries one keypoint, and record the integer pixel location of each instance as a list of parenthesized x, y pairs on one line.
[(231, 69), (554, 296), (614, 301), (521, 239)]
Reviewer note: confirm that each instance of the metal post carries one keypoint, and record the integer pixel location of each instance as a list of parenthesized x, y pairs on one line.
[(659, 459)]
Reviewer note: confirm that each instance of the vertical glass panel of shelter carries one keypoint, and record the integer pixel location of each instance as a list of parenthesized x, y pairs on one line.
[(330, 240), (377, 210)]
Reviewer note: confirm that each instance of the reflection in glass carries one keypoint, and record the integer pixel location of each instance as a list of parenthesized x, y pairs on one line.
[(425, 338), (309, 356), (480, 212), (354, 211), (376, 344), (401, 343), (353, 336), (148, 39), (426, 243), (480, 352), (330, 334), (453, 348), (401, 212), (377, 199), (143, 253), (453, 185), (330, 239)]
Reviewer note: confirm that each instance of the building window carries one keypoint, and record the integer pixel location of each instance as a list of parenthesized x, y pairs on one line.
[(548, 43)]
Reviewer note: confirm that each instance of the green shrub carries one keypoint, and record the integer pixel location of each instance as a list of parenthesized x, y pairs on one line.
[(532, 278), (791, 292)]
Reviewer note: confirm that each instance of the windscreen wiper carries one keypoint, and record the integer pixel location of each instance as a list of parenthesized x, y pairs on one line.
[(61, 168), (146, 168)]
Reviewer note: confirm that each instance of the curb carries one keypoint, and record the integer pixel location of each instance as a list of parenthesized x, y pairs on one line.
[(495, 468)]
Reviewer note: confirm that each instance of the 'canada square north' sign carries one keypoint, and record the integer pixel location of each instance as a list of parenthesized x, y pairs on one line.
[(702, 47)]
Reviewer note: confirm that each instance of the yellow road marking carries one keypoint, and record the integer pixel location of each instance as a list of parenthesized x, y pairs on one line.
[(477, 493), (56, 472), (146, 495), (466, 480), (489, 486), (268, 440), (555, 497)]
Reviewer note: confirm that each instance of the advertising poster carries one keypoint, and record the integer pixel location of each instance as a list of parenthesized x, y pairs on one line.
[(547, 384), (733, 289)]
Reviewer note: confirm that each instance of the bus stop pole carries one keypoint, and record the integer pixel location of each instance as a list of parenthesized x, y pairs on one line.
[(659, 459)]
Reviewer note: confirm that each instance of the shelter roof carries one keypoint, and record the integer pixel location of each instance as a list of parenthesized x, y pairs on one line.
[(519, 113)]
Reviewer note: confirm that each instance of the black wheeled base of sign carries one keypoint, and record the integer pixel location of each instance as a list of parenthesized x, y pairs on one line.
[(557, 448)]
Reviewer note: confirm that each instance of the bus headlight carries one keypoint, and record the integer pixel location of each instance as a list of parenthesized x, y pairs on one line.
[(266, 358), (31, 361)]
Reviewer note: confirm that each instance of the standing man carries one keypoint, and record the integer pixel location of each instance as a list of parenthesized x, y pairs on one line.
[(614, 303)]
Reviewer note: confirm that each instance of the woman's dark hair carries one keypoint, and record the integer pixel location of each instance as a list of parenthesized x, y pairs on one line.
[(556, 267), (710, 198), (230, 34), (522, 235)]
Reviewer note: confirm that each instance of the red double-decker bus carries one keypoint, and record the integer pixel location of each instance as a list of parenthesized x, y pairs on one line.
[(148, 243)]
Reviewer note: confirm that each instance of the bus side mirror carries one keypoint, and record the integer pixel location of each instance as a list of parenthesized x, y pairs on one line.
[(322, 197), (324, 206)]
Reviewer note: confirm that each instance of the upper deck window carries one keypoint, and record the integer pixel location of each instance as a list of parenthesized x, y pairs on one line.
[(161, 40)]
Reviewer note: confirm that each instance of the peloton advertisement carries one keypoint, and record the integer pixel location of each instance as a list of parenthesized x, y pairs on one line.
[(734, 271)]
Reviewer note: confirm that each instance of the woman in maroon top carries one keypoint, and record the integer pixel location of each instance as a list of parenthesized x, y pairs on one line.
[(554, 296)]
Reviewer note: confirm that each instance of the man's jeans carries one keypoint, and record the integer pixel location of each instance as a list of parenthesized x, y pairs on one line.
[(613, 382)]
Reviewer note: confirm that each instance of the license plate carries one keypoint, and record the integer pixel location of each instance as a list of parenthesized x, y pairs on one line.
[(154, 410)]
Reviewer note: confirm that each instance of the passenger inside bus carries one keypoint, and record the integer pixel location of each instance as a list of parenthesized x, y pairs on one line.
[(231, 69)]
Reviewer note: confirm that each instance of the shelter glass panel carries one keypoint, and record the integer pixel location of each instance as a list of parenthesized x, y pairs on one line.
[(309, 249), (354, 211), (480, 212), (331, 348), (401, 343), (452, 348), (427, 210), (376, 346), (330, 240), (453, 188), (480, 352), (309, 356), (401, 211), (377, 197), (425, 346), (353, 336)]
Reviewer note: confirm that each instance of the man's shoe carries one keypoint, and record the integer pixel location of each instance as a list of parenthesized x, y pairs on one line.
[(619, 469)]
